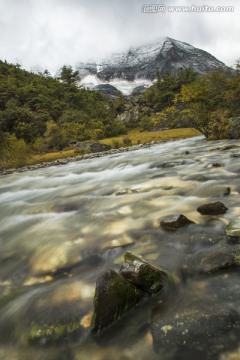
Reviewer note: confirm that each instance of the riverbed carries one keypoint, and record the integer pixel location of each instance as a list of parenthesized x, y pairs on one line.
[(62, 226)]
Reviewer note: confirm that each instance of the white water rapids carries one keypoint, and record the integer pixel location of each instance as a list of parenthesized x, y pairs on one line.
[(61, 226)]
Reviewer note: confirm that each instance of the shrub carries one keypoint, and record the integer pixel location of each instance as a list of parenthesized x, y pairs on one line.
[(116, 144), (127, 141), (13, 152)]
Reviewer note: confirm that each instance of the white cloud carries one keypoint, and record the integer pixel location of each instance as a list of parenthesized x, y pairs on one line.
[(50, 33)]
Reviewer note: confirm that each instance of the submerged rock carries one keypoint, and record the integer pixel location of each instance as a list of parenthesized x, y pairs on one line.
[(216, 165), (165, 164), (194, 334), (212, 189), (215, 208), (233, 231), (66, 207), (175, 222), (50, 334), (210, 261), (140, 273), (114, 296)]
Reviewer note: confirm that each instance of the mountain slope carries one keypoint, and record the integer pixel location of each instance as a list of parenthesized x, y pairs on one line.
[(139, 66)]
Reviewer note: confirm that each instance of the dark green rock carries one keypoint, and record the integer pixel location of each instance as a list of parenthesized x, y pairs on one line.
[(147, 277), (215, 208), (175, 222), (114, 296)]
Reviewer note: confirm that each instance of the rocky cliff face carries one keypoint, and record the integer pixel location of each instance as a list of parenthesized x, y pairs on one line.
[(139, 66)]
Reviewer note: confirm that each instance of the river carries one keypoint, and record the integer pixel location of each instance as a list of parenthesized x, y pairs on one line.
[(62, 226)]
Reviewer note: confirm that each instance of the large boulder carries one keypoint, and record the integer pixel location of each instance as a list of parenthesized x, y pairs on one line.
[(234, 128), (147, 277), (114, 296)]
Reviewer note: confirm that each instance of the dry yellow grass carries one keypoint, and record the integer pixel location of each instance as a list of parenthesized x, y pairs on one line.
[(51, 156), (136, 136)]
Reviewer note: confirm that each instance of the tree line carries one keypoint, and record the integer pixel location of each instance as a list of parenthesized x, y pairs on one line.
[(38, 112), (41, 113), (186, 99)]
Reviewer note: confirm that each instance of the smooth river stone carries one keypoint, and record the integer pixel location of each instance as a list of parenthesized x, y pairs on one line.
[(175, 222), (215, 208)]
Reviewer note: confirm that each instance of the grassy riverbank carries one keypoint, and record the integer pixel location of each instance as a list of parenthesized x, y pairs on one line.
[(134, 137), (143, 137)]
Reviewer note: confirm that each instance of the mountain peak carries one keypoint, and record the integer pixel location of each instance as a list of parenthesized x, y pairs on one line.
[(142, 63)]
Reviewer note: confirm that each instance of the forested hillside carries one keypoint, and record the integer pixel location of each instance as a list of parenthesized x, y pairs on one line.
[(39, 111), (204, 102)]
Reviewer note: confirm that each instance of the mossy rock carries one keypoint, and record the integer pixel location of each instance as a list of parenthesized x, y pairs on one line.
[(147, 277), (50, 334), (114, 296)]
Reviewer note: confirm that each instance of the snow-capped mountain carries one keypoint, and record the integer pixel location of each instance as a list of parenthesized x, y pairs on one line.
[(137, 68)]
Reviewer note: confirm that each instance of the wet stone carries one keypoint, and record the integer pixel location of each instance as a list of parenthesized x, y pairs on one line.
[(196, 334), (175, 222), (114, 296), (211, 261), (227, 191), (235, 155), (140, 273), (216, 165), (165, 165), (197, 177), (67, 207), (215, 208), (233, 231)]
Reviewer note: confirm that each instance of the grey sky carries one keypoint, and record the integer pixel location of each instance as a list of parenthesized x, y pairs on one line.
[(51, 33)]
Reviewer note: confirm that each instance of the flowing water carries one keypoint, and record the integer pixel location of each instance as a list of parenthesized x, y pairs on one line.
[(61, 226)]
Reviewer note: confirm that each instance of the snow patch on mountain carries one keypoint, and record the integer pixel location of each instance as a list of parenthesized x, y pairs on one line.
[(135, 55), (138, 66)]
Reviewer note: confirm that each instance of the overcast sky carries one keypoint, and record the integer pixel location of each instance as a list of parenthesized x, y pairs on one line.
[(51, 33)]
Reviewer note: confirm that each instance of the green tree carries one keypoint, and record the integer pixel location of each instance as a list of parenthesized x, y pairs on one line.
[(68, 76)]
